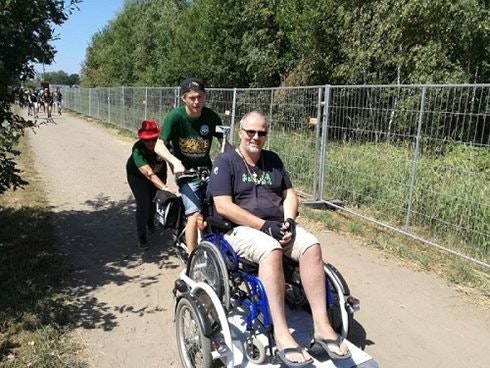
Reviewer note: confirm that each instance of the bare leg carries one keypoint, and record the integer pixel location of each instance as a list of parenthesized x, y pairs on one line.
[(191, 232), (272, 276), (314, 285)]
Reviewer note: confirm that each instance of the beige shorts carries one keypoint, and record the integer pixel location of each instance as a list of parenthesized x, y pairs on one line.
[(254, 245)]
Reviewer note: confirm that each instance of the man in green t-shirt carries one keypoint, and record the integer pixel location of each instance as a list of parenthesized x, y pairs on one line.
[(189, 130)]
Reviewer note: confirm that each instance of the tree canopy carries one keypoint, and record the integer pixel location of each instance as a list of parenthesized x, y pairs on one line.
[(60, 77), (259, 43), (26, 30)]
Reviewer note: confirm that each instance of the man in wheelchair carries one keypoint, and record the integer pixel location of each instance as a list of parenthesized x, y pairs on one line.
[(251, 188)]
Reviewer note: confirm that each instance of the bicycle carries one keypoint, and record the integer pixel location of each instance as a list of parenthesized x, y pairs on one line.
[(170, 209)]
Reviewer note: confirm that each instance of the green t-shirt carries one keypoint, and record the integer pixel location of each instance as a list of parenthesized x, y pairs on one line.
[(142, 156), (191, 138)]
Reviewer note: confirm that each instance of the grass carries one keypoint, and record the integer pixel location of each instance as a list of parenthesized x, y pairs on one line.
[(450, 200), (34, 319)]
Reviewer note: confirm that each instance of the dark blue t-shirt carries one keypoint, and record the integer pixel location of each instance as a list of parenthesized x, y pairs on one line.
[(258, 190)]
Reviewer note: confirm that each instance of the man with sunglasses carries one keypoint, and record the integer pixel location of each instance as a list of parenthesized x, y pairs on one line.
[(189, 131), (252, 189)]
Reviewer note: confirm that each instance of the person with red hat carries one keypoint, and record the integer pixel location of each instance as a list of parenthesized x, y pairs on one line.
[(189, 130), (146, 172)]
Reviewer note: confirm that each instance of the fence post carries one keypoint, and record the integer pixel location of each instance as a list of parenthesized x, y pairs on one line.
[(415, 161), (109, 104), (271, 103), (316, 187), (122, 107), (176, 97), (90, 102), (324, 140), (231, 137), (97, 94), (79, 95), (146, 100), (133, 106)]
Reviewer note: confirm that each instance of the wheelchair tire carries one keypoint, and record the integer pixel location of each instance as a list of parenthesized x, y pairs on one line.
[(338, 287), (194, 348), (338, 290), (255, 350), (206, 264)]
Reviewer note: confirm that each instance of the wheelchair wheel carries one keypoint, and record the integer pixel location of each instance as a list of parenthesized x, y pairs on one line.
[(194, 347), (207, 265), (340, 319), (255, 350)]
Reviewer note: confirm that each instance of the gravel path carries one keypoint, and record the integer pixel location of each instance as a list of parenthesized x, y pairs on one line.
[(122, 297)]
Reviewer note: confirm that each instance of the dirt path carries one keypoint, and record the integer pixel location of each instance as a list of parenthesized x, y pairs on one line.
[(122, 297)]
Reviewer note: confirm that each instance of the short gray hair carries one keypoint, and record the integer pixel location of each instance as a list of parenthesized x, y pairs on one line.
[(249, 114)]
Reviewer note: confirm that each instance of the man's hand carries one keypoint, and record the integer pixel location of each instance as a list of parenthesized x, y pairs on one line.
[(177, 168), (274, 229), (290, 226)]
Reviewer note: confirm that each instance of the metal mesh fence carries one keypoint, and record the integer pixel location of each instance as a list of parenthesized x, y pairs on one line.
[(413, 158)]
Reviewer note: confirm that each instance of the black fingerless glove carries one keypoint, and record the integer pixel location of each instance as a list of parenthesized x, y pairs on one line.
[(273, 228), (292, 226)]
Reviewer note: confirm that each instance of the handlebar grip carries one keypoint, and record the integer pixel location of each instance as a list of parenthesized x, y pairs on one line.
[(191, 174)]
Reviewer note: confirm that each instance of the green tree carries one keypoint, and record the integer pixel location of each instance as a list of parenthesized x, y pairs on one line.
[(155, 33), (312, 28), (134, 48), (61, 77), (265, 50), (25, 33), (416, 41), (207, 43), (292, 42)]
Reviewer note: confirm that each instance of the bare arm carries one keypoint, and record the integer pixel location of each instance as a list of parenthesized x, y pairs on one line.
[(226, 208), (290, 204), (147, 171), (162, 151)]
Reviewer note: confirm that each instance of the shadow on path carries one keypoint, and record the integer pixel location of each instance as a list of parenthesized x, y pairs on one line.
[(99, 248)]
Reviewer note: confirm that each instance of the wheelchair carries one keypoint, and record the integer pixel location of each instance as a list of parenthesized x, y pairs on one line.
[(221, 313)]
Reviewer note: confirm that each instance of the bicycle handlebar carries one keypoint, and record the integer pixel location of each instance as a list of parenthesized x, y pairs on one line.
[(200, 172)]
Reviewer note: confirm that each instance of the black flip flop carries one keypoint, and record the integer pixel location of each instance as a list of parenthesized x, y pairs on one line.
[(281, 354), (324, 343)]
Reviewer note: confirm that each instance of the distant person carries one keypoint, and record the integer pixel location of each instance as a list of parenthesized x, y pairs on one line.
[(189, 130), (40, 100), (33, 104), (48, 101), (146, 173), (58, 100)]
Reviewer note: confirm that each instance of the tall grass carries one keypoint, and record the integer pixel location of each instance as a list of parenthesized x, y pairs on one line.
[(450, 202)]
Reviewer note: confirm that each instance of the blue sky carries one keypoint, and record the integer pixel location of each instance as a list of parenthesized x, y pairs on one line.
[(76, 33)]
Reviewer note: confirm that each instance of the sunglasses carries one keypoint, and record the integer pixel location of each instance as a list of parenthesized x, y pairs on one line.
[(150, 140), (251, 132)]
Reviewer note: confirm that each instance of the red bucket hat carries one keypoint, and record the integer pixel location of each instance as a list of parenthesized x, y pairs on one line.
[(149, 130)]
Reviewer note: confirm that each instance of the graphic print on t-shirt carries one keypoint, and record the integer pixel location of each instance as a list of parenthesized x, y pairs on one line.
[(193, 147), (264, 179)]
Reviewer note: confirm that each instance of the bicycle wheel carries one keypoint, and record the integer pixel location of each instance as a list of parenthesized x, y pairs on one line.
[(194, 347), (207, 265)]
